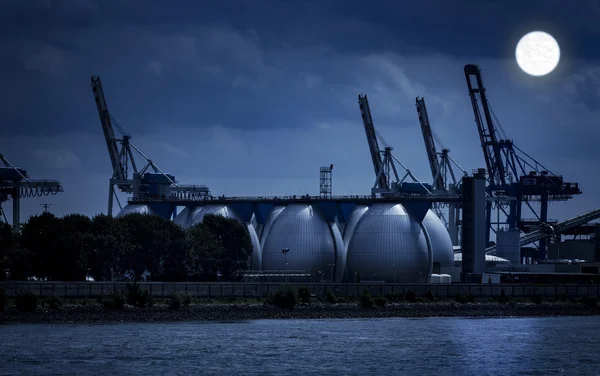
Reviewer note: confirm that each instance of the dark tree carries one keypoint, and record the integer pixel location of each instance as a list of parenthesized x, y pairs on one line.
[(106, 245), (235, 245), (204, 252), (40, 236)]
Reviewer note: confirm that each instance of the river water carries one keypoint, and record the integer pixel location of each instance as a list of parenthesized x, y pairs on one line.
[(432, 346)]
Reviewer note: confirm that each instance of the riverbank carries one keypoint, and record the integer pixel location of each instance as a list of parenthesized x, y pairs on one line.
[(96, 313)]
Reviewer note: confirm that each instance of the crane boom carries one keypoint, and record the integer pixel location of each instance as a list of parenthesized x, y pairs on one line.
[(119, 171), (432, 155), (372, 140), (492, 150)]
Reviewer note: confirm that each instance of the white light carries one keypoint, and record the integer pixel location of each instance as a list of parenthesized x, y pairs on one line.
[(537, 53)]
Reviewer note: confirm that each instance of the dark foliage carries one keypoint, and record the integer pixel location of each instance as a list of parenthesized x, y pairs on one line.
[(429, 295), (115, 300), (365, 299), (536, 299), (136, 296), (380, 301), (331, 297), (26, 302), (285, 297), (503, 298), (410, 296), (175, 301), (54, 302), (304, 294), (3, 299), (74, 246)]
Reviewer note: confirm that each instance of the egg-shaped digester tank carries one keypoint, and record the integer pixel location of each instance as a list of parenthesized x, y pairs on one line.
[(301, 229), (134, 208), (441, 243), (388, 244), (192, 215)]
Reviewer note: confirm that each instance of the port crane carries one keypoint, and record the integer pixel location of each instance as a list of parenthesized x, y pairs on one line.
[(16, 184), (387, 181), (150, 183), (512, 172), (442, 172)]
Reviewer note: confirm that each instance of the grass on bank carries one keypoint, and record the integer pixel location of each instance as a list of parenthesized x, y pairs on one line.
[(287, 297)]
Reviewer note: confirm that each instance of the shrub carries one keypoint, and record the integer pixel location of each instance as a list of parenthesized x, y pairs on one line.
[(365, 299), (380, 301), (410, 296), (503, 298), (114, 300), (175, 301), (429, 295), (304, 294), (187, 300), (468, 298), (562, 297), (3, 299), (285, 298), (54, 302), (536, 299), (390, 297), (590, 301), (331, 297), (136, 296), (26, 302)]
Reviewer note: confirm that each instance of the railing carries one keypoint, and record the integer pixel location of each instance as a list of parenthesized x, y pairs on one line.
[(256, 290)]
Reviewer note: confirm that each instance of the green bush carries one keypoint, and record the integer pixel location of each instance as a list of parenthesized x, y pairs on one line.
[(285, 298), (187, 300), (503, 298), (410, 296), (114, 300), (380, 301), (26, 302), (54, 302), (562, 297), (175, 301), (365, 299), (3, 299), (304, 294), (331, 297)]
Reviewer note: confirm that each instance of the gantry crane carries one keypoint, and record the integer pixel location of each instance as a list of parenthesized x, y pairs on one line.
[(15, 184), (506, 165), (442, 171), (387, 181), (143, 185)]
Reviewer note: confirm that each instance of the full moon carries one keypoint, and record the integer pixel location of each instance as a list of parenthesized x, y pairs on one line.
[(537, 53)]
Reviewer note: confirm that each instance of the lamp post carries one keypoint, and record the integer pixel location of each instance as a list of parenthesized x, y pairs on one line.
[(394, 266), (285, 252)]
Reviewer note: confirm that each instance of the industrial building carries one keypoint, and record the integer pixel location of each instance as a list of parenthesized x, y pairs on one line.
[(403, 232)]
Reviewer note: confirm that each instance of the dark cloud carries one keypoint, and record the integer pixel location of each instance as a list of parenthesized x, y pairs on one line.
[(257, 95)]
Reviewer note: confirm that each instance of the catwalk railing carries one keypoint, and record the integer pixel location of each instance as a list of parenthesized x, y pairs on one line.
[(257, 290)]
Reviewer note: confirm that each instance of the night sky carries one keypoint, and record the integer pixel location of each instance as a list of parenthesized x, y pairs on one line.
[(252, 97)]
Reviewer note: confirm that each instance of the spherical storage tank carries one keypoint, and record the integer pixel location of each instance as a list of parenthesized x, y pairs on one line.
[(439, 238), (386, 243), (307, 235)]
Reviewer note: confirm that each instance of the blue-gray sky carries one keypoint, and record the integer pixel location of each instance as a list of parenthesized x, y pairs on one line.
[(252, 97)]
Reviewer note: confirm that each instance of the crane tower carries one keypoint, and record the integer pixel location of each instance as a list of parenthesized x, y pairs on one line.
[(511, 172), (442, 172), (149, 183)]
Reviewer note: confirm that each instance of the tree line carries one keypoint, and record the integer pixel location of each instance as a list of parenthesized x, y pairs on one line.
[(73, 247)]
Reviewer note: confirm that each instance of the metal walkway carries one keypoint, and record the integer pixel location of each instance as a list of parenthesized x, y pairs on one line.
[(558, 228)]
